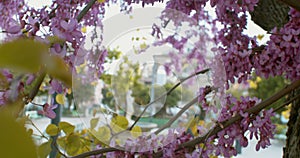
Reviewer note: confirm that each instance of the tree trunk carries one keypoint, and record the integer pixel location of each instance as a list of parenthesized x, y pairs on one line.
[(292, 148)]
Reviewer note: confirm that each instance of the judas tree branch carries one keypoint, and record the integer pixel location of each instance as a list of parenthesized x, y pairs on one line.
[(36, 87), (190, 144), (253, 110), (96, 152), (287, 102)]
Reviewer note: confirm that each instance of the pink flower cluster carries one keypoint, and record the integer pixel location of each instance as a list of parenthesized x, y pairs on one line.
[(166, 143), (56, 25), (235, 45), (11, 88), (144, 2), (260, 126), (186, 6), (236, 6), (203, 91), (263, 129), (48, 111), (8, 10), (282, 54)]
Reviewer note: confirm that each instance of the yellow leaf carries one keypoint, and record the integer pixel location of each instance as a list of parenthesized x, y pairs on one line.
[(55, 39), (102, 135), (252, 84), (23, 120), (143, 46), (61, 141), (193, 124), (52, 130), (260, 37), (119, 123), (73, 144), (94, 83), (14, 108), (22, 55), (66, 127), (4, 84), (258, 79), (136, 131), (44, 149), (30, 132), (15, 142), (94, 122), (104, 132), (25, 55), (69, 91), (201, 123), (60, 99), (83, 29), (101, 1), (57, 68), (286, 114)]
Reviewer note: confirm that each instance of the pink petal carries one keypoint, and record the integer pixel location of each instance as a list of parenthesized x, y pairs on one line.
[(54, 106), (64, 24), (51, 114), (72, 24), (14, 29), (287, 37)]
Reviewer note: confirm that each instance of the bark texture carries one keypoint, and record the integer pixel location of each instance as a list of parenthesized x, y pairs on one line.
[(292, 149), (270, 13)]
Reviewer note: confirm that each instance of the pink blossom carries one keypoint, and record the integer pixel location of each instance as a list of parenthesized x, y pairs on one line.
[(48, 111)]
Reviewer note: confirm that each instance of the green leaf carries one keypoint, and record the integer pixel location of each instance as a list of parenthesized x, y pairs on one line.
[(15, 142), (52, 130), (94, 122), (66, 127), (44, 149)]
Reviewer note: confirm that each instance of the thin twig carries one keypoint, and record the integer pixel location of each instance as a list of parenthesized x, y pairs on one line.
[(85, 10), (37, 104), (36, 87), (190, 144), (287, 103), (96, 152), (171, 121), (42, 135), (187, 106), (165, 94)]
